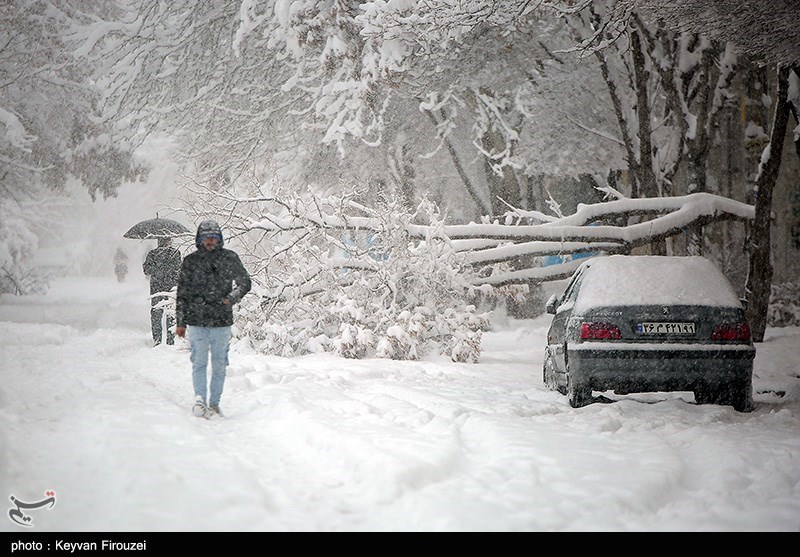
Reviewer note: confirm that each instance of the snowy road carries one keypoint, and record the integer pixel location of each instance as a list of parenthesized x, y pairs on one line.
[(90, 410)]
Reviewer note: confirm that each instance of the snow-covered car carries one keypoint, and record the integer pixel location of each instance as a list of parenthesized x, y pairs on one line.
[(633, 324)]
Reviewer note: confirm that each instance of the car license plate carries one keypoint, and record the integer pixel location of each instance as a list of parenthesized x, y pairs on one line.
[(652, 328)]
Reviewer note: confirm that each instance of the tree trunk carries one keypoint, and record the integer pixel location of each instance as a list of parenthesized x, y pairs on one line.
[(759, 277), (699, 146), (501, 188), (646, 177), (697, 183)]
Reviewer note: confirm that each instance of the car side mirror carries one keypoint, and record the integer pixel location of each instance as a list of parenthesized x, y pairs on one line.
[(744, 303), (552, 304)]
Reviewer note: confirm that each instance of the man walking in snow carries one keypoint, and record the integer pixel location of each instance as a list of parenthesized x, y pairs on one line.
[(161, 265), (211, 281)]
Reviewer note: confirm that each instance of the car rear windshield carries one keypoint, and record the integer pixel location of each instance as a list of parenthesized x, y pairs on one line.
[(625, 280)]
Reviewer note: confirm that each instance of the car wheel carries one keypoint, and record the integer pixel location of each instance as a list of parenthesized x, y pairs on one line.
[(741, 395), (736, 393), (578, 395), (704, 395), (549, 375)]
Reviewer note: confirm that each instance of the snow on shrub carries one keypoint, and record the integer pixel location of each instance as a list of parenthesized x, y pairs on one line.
[(18, 243)]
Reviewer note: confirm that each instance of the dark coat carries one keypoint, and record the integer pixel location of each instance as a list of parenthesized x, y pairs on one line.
[(206, 278), (162, 266)]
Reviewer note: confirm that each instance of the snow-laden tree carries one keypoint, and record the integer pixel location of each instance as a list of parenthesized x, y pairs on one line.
[(47, 132), (490, 73), (24, 221), (256, 80), (668, 90), (240, 83), (259, 78), (353, 291), (764, 31), (332, 274)]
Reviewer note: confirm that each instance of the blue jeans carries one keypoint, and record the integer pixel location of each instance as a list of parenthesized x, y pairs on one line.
[(203, 340)]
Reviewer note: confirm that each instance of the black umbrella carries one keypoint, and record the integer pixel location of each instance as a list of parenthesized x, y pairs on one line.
[(152, 229)]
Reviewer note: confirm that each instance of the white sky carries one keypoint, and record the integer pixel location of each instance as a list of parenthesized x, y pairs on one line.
[(318, 443)]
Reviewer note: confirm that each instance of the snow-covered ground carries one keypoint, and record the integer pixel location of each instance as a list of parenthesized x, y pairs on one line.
[(90, 410)]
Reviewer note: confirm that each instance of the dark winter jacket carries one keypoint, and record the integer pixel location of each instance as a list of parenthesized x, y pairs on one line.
[(162, 265), (206, 279)]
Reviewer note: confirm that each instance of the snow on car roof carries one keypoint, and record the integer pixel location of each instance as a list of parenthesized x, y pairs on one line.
[(628, 280)]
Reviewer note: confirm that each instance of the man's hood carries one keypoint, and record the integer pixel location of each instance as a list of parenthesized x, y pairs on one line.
[(208, 229)]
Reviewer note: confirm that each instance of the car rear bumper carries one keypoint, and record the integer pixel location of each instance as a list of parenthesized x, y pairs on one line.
[(629, 367)]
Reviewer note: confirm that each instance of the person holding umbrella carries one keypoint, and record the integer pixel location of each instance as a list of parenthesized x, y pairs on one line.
[(162, 265), (211, 280)]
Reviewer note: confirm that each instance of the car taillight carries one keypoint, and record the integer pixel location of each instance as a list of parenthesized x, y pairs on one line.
[(731, 331), (599, 331)]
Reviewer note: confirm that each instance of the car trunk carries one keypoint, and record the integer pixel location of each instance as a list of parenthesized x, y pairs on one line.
[(660, 324)]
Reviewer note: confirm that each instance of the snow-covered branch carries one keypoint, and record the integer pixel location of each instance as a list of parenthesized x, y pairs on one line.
[(670, 216)]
